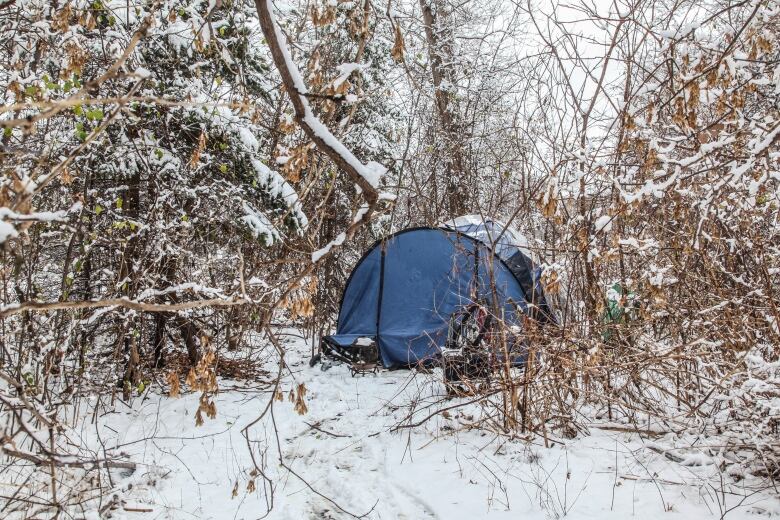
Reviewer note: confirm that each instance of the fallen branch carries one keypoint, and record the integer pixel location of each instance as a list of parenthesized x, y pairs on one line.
[(316, 426), (56, 460), (16, 308)]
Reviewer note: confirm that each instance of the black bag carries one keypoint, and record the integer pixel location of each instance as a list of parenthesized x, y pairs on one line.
[(362, 350), (465, 357)]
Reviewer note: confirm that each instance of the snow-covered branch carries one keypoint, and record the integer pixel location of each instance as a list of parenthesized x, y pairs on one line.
[(366, 176)]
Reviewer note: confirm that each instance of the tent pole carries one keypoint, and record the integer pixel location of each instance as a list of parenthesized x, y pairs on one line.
[(381, 289), (476, 272)]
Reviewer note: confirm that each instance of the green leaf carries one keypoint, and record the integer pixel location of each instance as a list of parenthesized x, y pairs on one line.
[(31, 90), (80, 132), (185, 218), (158, 153), (98, 209), (119, 203), (223, 168), (141, 386), (67, 88), (78, 110), (95, 114), (7, 131)]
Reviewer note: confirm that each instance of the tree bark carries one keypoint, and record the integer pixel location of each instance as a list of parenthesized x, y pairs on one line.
[(440, 55), (189, 333)]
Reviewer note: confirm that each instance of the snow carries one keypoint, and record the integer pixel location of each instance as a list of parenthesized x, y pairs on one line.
[(255, 281), (259, 225), (248, 139), (371, 172), (765, 143), (359, 214), (345, 449), (317, 255), (464, 221), (345, 70), (603, 223), (680, 32), (181, 36), (37, 216), (126, 12), (7, 231), (182, 288), (278, 187)]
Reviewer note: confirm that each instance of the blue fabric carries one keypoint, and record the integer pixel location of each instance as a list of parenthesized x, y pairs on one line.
[(428, 275)]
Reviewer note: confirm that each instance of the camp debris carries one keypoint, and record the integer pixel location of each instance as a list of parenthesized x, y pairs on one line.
[(402, 294), (362, 355), (621, 307), (465, 358)]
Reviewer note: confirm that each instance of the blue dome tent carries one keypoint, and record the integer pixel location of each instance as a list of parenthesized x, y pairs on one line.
[(404, 290)]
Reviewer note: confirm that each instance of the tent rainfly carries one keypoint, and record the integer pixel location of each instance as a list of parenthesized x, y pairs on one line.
[(404, 289)]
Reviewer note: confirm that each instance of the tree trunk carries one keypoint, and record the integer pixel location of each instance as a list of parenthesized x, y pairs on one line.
[(189, 333), (440, 54)]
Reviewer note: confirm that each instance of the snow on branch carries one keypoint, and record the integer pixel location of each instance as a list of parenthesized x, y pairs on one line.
[(366, 176), (16, 308), (315, 256), (7, 230)]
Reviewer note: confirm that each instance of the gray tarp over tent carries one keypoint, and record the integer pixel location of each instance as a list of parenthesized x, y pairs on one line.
[(405, 288), (513, 248)]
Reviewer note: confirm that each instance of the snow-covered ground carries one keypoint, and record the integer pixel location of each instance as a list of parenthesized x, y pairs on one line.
[(345, 451)]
